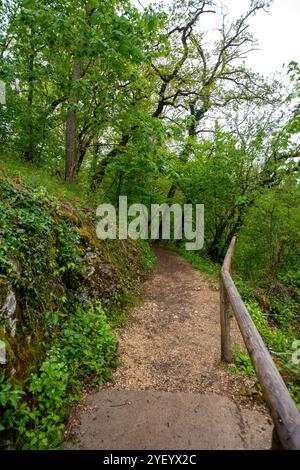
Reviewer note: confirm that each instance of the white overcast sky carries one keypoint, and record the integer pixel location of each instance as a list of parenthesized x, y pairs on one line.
[(277, 32)]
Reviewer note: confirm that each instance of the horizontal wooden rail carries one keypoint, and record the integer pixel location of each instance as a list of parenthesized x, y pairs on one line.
[(282, 408)]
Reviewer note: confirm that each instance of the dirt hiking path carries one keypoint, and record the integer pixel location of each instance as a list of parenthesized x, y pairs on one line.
[(172, 344)]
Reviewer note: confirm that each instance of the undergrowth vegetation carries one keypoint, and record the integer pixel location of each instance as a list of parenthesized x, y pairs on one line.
[(278, 334), (83, 352), (62, 293), (198, 260)]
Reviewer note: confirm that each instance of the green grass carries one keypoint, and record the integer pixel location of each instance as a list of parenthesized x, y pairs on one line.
[(37, 176), (197, 260)]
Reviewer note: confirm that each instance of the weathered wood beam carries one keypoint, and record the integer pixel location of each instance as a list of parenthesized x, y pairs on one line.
[(282, 408)]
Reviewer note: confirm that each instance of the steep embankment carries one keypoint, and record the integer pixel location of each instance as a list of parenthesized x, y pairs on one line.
[(61, 290)]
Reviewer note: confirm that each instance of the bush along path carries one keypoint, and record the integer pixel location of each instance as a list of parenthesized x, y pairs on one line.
[(171, 390)]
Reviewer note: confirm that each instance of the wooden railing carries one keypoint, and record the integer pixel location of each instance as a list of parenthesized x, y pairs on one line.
[(286, 419)]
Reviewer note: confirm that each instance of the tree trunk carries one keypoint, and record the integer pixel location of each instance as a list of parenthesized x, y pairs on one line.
[(71, 127), (93, 170), (172, 191), (101, 167), (218, 247)]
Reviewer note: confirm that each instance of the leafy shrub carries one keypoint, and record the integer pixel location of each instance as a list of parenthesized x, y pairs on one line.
[(273, 336), (85, 349), (294, 380), (9, 395), (242, 362), (283, 310), (281, 342)]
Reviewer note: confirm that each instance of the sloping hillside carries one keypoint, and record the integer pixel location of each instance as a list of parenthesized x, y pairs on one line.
[(61, 292)]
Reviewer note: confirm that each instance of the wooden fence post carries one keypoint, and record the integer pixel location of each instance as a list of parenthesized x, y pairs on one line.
[(276, 444), (226, 354)]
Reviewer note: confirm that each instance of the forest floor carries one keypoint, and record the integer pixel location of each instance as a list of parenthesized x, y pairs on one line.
[(172, 344)]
